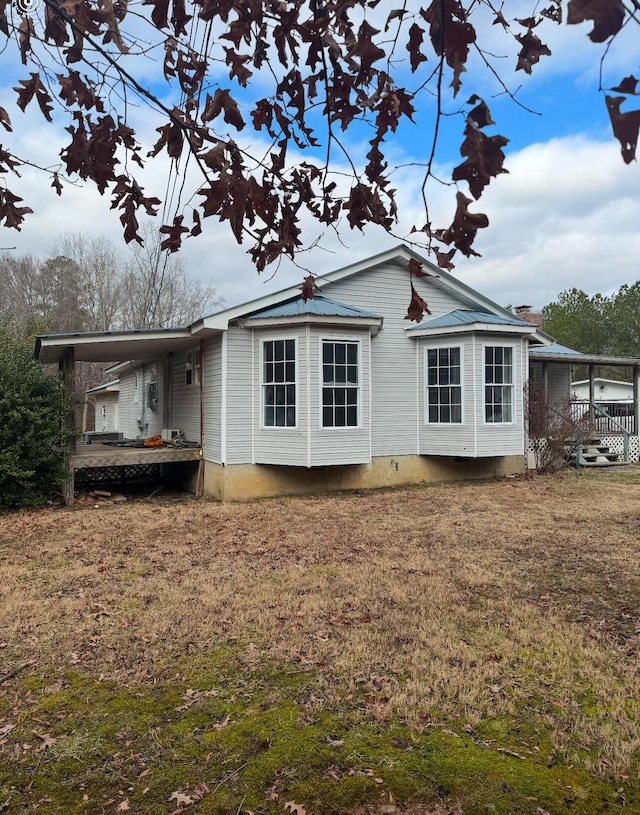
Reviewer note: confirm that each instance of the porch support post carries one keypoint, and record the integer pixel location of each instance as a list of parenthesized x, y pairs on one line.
[(200, 478), (636, 400), (67, 369), (592, 394)]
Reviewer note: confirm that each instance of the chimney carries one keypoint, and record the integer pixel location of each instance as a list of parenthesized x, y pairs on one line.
[(533, 317)]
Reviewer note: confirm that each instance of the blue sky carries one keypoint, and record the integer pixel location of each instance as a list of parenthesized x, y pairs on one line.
[(567, 214)]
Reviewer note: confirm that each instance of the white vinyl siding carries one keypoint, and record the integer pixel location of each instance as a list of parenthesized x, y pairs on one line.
[(285, 445), (106, 420), (502, 439), (474, 437), (456, 439), (339, 445), (239, 409), (185, 400), (137, 419), (212, 381), (558, 379), (385, 290)]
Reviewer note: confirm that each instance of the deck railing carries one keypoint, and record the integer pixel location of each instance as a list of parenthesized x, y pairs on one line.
[(606, 418)]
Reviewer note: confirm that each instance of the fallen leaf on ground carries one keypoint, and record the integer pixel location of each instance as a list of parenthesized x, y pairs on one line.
[(181, 799)]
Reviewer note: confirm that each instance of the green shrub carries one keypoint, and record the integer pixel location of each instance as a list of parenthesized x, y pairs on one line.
[(31, 412)]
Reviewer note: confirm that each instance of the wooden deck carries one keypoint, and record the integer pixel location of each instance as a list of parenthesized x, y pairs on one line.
[(98, 454), (129, 461)]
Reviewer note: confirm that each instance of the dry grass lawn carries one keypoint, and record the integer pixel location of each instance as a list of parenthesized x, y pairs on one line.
[(504, 614)]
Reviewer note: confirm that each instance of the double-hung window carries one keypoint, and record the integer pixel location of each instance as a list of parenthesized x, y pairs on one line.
[(192, 365), (340, 384), (498, 384), (279, 383), (444, 386)]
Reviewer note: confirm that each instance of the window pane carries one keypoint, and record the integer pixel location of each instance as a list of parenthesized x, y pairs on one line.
[(268, 395), (268, 372), (341, 374), (352, 353), (327, 417), (290, 349), (327, 352), (352, 396), (340, 352), (268, 416), (352, 416), (291, 394), (327, 396), (339, 396), (279, 372), (279, 394), (341, 417), (290, 371), (352, 374), (268, 351), (280, 417), (291, 417), (443, 387), (278, 350)]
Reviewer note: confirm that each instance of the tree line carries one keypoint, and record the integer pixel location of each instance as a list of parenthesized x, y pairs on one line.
[(596, 324), (88, 285)]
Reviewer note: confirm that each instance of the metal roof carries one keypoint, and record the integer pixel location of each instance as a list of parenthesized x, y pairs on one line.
[(460, 316), (556, 348), (318, 305), (560, 353)]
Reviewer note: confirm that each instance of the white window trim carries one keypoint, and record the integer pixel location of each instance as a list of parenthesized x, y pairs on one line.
[(426, 387), (483, 402), (193, 363), (354, 340), (262, 341)]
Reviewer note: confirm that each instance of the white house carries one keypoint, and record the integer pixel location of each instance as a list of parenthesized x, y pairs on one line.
[(106, 403), (340, 391), (605, 390)]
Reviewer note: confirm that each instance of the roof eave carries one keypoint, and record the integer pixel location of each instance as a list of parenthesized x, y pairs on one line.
[(470, 328), (374, 324)]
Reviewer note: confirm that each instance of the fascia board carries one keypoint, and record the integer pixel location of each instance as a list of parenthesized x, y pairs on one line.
[(489, 328), (313, 319)]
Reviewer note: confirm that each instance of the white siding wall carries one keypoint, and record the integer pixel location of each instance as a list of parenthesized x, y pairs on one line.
[(107, 401), (238, 407), (185, 405), (280, 445), (450, 439), (136, 419), (558, 379), (212, 368), (501, 439), (151, 413), (339, 445), (128, 410), (385, 290)]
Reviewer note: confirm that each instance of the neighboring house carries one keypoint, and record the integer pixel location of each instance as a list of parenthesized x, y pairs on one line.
[(605, 390), (340, 391), (105, 400)]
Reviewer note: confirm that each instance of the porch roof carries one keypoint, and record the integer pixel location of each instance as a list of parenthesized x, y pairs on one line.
[(113, 346), (560, 353)]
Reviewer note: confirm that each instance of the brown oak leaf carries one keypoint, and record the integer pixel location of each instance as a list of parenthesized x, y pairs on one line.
[(625, 126), (607, 16), (181, 799)]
